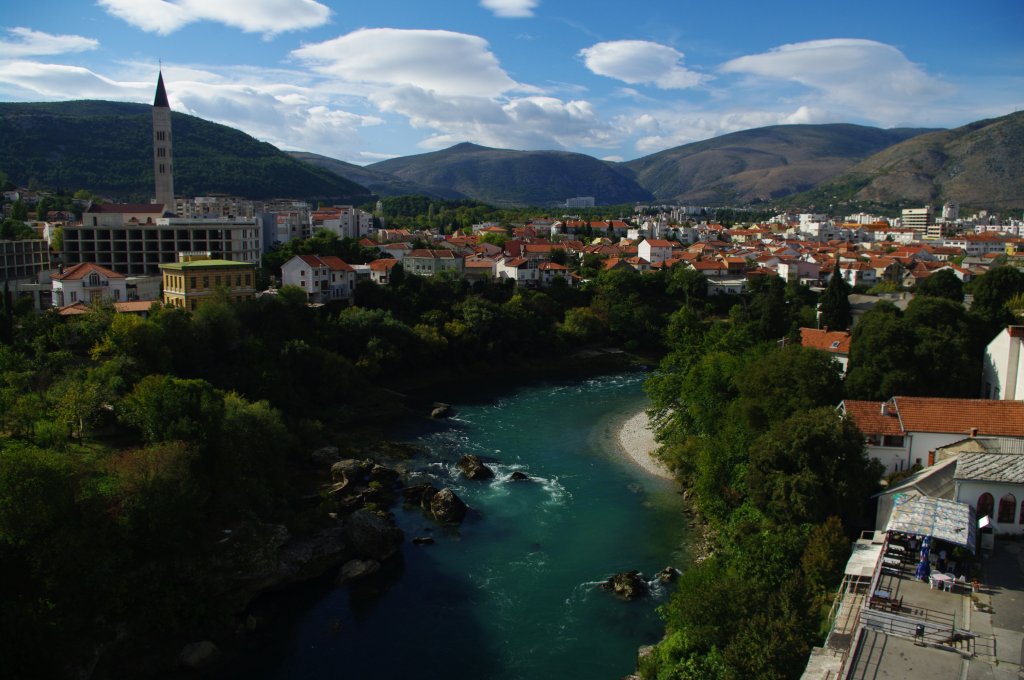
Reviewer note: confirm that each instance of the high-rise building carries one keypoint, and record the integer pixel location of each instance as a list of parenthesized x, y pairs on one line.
[(163, 162)]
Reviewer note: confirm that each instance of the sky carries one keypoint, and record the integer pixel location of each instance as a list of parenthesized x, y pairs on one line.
[(370, 80)]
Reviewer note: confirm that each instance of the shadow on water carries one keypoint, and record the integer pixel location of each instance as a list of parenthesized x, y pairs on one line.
[(387, 626)]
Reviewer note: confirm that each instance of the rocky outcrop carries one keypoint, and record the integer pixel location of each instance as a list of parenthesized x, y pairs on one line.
[(440, 410), (372, 535), (357, 569), (518, 476), (473, 468), (199, 656), (628, 585), (668, 574), (447, 508), (419, 495)]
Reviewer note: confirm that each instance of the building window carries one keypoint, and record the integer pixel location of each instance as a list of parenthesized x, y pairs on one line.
[(216, 280), (206, 282), (985, 504), (248, 279), (74, 296), (892, 440), (1007, 508), (238, 280), (192, 281)]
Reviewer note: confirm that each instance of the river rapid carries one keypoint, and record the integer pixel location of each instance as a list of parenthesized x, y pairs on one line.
[(512, 592)]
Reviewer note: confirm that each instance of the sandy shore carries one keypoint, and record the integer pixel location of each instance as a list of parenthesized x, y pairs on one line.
[(636, 440)]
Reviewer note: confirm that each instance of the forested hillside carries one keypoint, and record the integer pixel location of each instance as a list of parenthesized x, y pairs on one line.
[(106, 148)]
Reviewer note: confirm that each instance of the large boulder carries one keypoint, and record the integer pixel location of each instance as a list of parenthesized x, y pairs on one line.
[(473, 468), (350, 469), (357, 569), (440, 410), (518, 476), (447, 508), (420, 495), (628, 585), (372, 536), (668, 574), (198, 656)]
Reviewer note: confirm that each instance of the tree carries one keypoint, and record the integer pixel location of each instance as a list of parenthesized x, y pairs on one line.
[(943, 283), (993, 290), (163, 408), (810, 466), (835, 303)]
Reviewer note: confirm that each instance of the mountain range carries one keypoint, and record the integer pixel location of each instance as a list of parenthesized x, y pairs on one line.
[(104, 147)]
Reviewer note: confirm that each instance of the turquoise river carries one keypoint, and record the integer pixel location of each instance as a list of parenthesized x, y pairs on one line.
[(512, 592)]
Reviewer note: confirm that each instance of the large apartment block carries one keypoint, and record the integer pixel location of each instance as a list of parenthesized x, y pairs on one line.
[(137, 239), (23, 260)]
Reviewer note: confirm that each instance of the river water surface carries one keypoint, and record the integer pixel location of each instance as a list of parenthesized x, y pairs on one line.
[(511, 593)]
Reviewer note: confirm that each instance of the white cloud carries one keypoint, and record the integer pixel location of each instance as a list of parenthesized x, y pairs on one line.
[(866, 78), (532, 122), (641, 62), (252, 16), (449, 63), (282, 112), (510, 9), (664, 129), (29, 43)]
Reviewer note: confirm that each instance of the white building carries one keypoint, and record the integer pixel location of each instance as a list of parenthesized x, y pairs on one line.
[(324, 278), (655, 250), (905, 431), (1003, 366), (88, 282)]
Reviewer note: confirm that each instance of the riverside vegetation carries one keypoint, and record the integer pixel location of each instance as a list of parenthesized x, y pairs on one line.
[(131, 447)]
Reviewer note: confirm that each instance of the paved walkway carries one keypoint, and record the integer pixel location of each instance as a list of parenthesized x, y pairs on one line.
[(998, 610)]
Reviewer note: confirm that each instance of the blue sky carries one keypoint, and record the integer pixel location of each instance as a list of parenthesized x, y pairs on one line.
[(369, 80)]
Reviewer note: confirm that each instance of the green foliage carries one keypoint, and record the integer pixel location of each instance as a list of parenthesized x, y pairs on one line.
[(104, 146), (944, 284), (835, 304), (992, 291), (810, 466), (164, 408), (932, 350)]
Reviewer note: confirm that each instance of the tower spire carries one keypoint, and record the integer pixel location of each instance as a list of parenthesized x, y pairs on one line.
[(163, 163)]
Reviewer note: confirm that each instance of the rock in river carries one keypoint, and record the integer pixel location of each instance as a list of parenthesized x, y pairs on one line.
[(447, 508), (372, 536), (628, 585), (473, 468), (356, 569), (199, 655)]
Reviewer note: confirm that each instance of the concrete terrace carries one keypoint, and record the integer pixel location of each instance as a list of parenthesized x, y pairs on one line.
[(887, 624)]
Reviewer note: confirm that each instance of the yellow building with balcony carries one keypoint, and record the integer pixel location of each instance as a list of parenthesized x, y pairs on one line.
[(189, 283)]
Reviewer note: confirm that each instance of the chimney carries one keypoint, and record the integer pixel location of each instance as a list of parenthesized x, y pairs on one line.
[(974, 432), (885, 408), (931, 458)]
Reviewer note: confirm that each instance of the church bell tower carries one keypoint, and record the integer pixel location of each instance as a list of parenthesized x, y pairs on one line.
[(163, 163)]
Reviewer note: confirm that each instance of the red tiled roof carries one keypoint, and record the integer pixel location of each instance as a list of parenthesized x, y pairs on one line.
[(134, 306), (990, 417), (383, 264), (868, 417), (336, 264), (829, 341), (83, 269)]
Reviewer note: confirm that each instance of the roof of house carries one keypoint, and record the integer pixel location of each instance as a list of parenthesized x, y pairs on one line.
[(336, 263), (938, 415), (824, 339), (991, 467), (990, 417), (383, 264), (80, 271), (869, 417), (207, 264), (134, 306)]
